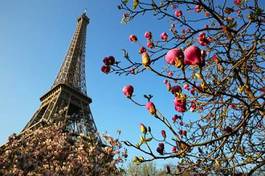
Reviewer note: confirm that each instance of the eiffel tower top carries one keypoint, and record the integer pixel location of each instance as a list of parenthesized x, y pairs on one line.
[(72, 72)]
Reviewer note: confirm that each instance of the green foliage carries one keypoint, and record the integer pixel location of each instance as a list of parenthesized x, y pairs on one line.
[(144, 169)]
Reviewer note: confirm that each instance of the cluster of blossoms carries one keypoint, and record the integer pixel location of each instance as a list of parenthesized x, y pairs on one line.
[(149, 36), (51, 150), (179, 149), (149, 44), (128, 91), (192, 56), (108, 62), (203, 40)]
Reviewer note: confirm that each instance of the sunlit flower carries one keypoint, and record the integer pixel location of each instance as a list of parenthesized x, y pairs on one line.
[(128, 91), (150, 107)]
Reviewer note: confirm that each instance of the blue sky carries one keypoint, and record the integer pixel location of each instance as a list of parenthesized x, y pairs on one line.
[(34, 37)]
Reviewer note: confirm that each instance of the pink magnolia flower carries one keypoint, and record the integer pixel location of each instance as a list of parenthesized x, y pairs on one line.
[(193, 106), (176, 89), (238, 12), (192, 91), (233, 106), (180, 103), (133, 38), (142, 50), (180, 108), (203, 40), (105, 69), (163, 133), (183, 132), (237, 2), (162, 145), (186, 86), (160, 148), (150, 107), (148, 35), (168, 85), (192, 56), (175, 118), (210, 39), (128, 91), (105, 61), (150, 44), (198, 8), (174, 149), (215, 59), (110, 60), (178, 13), (164, 36), (175, 57), (165, 81)]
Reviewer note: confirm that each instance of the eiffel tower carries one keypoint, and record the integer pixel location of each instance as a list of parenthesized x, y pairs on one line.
[(67, 97)]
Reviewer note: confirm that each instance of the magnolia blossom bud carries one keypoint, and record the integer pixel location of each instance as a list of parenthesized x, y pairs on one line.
[(150, 107), (128, 91), (143, 128), (105, 69), (148, 35), (164, 36), (163, 133), (175, 57), (193, 56), (133, 38), (145, 59)]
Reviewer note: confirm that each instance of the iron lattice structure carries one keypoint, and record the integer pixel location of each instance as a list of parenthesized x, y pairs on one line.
[(67, 100), (72, 72)]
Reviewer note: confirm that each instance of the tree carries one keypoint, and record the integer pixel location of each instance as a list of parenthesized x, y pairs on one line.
[(53, 150), (146, 169), (214, 68)]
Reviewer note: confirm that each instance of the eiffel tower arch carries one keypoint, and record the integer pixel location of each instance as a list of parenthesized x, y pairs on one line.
[(67, 97)]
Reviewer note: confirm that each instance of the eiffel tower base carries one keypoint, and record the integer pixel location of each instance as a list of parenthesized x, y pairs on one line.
[(64, 101)]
